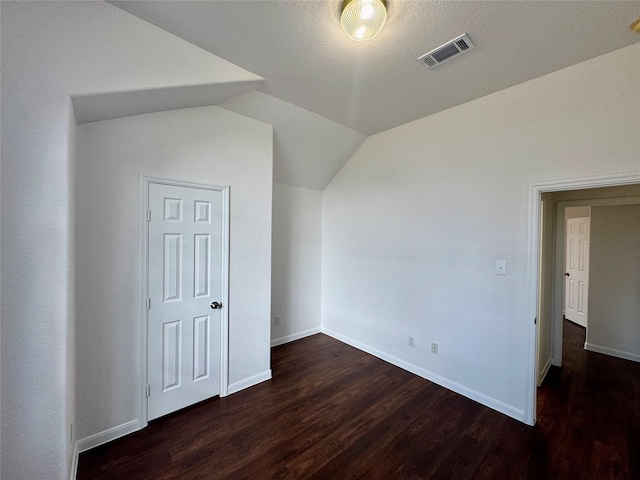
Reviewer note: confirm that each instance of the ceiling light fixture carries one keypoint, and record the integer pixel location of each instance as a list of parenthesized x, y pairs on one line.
[(363, 19), (635, 26)]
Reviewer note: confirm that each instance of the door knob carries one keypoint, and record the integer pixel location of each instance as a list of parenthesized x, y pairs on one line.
[(566, 274), (216, 305)]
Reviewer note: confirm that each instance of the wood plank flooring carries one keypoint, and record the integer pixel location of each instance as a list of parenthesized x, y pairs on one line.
[(333, 412)]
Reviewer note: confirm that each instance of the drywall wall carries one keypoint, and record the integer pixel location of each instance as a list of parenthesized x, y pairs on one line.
[(297, 241), (576, 212), (414, 222), (614, 281), (299, 133), (205, 145), (51, 50)]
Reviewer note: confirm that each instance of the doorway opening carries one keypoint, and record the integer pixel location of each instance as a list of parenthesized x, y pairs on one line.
[(546, 272)]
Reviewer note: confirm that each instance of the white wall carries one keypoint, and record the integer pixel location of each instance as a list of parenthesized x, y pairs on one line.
[(51, 50), (576, 212), (297, 241), (413, 224), (206, 145), (299, 133), (614, 281)]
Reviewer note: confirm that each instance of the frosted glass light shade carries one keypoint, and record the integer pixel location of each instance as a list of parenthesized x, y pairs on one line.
[(363, 19)]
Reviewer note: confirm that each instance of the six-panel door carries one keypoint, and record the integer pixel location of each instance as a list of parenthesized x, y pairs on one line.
[(185, 271), (577, 270)]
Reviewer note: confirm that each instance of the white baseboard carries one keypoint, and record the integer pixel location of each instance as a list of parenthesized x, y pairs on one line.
[(105, 436), (249, 382), (98, 439), (544, 371), (74, 461), (612, 351), (432, 377), (134, 425), (294, 336)]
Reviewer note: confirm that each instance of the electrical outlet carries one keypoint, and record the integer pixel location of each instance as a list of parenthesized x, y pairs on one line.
[(434, 348), (276, 320), (412, 341)]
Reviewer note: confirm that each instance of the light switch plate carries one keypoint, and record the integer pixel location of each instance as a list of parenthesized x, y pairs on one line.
[(501, 267)]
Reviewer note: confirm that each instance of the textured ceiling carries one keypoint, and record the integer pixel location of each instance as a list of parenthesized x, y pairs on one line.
[(306, 60)]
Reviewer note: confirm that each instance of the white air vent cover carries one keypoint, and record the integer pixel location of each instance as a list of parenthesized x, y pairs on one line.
[(446, 52)]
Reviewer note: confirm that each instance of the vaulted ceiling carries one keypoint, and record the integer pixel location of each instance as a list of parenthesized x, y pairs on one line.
[(306, 60)]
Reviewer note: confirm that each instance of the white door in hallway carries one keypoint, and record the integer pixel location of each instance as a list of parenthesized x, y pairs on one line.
[(576, 295), (185, 279)]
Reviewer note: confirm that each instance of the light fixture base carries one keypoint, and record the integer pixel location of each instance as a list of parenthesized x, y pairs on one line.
[(346, 3)]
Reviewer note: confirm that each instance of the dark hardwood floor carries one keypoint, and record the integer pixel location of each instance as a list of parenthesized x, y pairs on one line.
[(333, 412)]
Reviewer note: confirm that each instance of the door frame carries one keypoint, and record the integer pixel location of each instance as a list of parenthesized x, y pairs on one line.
[(533, 259), (145, 181)]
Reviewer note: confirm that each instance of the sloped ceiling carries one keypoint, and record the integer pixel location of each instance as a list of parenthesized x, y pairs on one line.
[(96, 107), (308, 150), (305, 58), (316, 80)]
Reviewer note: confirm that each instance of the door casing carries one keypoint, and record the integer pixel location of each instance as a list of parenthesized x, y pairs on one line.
[(145, 180)]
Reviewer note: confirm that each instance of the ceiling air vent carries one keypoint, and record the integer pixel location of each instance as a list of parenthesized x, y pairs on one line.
[(446, 52)]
